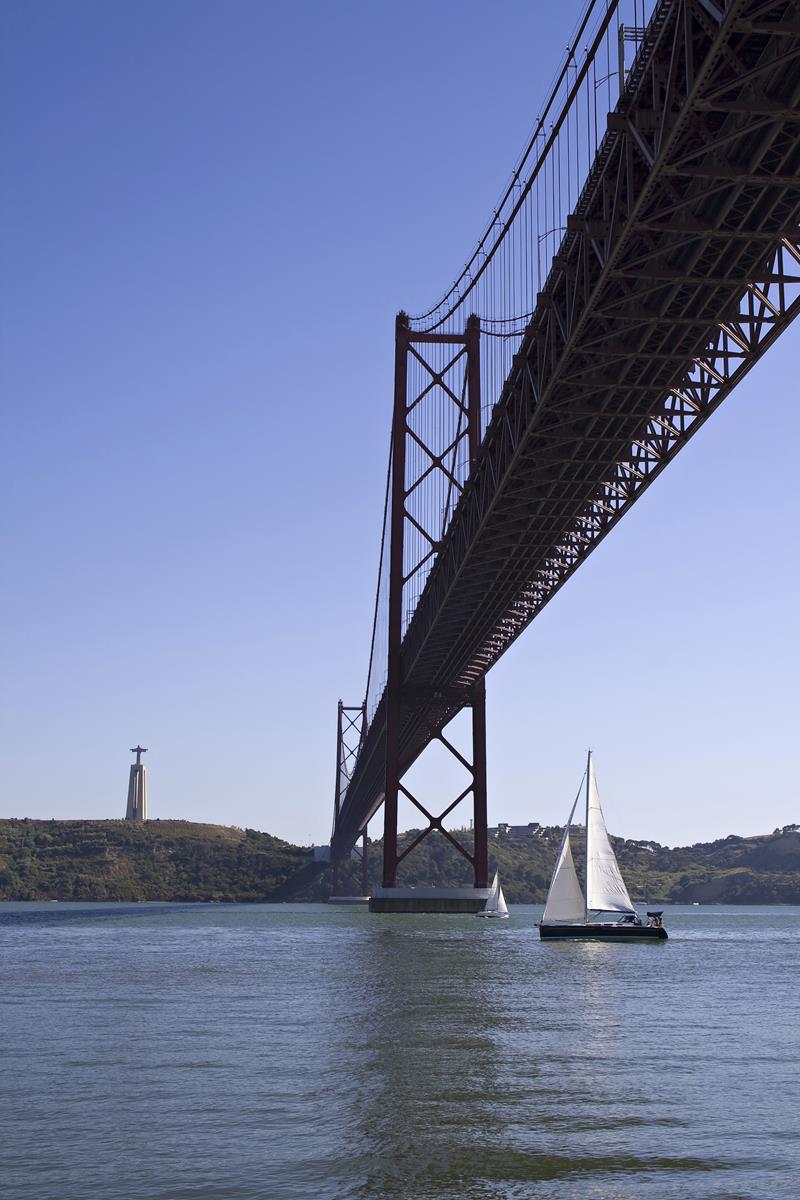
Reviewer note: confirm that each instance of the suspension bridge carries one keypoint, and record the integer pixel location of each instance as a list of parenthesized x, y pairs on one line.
[(643, 257)]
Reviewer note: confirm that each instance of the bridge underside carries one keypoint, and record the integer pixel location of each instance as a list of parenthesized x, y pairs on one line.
[(679, 268)]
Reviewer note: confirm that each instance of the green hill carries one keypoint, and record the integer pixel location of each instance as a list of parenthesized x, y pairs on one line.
[(154, 860), (734, 870), (183, 860)]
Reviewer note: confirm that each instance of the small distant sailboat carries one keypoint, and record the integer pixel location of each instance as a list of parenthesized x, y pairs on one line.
[(571, 912), (495, 902)]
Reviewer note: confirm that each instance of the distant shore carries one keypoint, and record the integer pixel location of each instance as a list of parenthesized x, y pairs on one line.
[(188, 861)]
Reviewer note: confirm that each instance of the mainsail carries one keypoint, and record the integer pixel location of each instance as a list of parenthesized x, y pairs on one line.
[(605, 887), (565, 899)]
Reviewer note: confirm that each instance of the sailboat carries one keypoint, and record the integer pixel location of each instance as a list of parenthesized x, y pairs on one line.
[(495, 902), (602, 911)]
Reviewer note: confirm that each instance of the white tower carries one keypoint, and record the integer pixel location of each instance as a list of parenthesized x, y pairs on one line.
[(137, 787)]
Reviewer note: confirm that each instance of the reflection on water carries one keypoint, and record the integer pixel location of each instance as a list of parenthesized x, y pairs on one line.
[(433, 1066), (508, 1063), (234, 1052)]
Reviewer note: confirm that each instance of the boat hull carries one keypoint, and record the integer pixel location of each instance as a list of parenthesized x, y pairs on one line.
[(602, 933)]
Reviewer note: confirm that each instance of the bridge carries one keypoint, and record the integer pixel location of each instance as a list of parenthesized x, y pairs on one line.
[(644, 256)]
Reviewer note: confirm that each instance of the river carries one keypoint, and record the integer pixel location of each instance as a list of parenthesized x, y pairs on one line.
[(306, 1052)]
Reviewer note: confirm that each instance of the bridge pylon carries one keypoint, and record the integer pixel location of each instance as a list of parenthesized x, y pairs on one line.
[(351, 727), (449, 362)]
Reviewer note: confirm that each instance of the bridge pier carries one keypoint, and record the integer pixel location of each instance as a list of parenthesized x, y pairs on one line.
[(428, 900)]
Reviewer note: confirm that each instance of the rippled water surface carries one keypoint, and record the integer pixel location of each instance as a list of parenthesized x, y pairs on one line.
[(225, 1052)]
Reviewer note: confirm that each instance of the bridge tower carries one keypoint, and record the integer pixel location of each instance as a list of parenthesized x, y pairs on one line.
[(407, 554), (348, 872)]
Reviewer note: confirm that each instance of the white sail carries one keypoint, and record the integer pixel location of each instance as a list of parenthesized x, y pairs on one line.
[(495, 895), (565, 899), (495, 902), (605, 887), (491, 899)]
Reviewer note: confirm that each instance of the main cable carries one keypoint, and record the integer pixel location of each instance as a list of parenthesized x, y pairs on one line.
[(516, 176)]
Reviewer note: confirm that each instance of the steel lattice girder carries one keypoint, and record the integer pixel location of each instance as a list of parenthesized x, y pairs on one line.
[(679, 268)]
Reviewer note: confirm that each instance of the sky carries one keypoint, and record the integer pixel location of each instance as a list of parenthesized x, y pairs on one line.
[(212, 214)]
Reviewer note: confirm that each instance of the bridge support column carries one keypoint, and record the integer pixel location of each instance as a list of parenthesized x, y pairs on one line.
[(408, 556), (364, 865), (479, 824), (394, 681), (350, 731)]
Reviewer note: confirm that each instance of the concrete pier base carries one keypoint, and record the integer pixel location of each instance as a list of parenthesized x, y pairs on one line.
[(428, 900), (362, 900)]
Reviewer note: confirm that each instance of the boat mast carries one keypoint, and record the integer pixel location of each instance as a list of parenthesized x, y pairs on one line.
[(586, 864)]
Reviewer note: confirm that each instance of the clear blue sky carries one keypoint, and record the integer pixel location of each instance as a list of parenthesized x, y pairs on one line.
[(212, 213)]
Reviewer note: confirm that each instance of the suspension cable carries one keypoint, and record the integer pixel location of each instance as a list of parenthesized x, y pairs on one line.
[(380, 575), (555, 127)]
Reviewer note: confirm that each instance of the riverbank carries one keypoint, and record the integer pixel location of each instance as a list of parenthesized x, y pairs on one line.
[(189, 861)]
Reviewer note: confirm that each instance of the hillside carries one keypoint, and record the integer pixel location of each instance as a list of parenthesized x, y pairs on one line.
[(734, 870), (183, 860), (156, 860)]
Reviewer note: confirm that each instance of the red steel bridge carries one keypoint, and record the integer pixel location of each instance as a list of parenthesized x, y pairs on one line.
[(643, 257)]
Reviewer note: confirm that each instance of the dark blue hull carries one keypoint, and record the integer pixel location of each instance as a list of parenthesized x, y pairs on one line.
[(602, 933)]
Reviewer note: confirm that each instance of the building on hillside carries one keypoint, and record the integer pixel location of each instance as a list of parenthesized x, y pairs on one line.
[(504, 830), (137, 787)]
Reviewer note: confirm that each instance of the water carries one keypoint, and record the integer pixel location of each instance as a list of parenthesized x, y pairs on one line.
[(223, 1052)]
